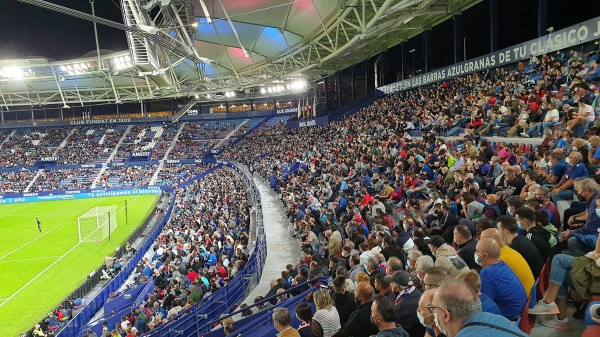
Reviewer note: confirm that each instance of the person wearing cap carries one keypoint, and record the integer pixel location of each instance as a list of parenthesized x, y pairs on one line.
[(446, 256), (406, 303)]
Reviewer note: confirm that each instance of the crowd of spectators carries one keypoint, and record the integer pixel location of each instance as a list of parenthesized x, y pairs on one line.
[(25, 146), (65, 179), (15, 181), (91, 144), (201, 248), (119, 176), (472, 211), (175, 174)]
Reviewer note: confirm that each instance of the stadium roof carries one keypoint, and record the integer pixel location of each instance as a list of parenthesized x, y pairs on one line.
[(204, 48)]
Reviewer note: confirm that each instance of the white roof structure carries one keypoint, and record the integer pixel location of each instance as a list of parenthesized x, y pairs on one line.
[(205, 48)]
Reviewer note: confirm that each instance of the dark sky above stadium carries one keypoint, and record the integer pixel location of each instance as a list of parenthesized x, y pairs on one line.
[(27, 30)]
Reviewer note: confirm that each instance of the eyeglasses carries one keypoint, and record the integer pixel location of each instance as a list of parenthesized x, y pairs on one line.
[(432, 308)]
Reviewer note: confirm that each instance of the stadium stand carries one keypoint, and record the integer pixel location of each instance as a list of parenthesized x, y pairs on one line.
[(119, 176), (368, 188), (65, 179)]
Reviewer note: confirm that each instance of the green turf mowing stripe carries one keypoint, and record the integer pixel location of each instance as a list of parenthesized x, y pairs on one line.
[(38, 271)]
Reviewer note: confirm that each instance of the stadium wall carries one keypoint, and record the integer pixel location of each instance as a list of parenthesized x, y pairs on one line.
[(565, 38), (15, 198), (186, 118)]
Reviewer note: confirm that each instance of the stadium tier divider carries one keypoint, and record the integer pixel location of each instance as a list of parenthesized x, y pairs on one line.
[(113, 317), (125, 299), (308, 287), (193, 321)]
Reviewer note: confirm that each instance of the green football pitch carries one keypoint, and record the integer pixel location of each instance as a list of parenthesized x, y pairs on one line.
[(39, 270)]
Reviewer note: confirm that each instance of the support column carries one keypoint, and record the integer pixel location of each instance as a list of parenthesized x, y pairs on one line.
[(427, 48), (1, 115), (339, 88), (493, 25), (118, 111), (251, 105), (457, 37), (326, 89), (227, 107), (368, 70), (403, 57), (353, 84), (542, 17)]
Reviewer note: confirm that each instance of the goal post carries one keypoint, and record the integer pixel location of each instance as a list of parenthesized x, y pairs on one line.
[(97, 224)]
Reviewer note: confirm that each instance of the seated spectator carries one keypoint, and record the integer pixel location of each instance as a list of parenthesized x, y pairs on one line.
[(535, 233), (509, 230), (465, 244), (382, 315), (282, 320), (498, 281), (458, 313), (406, 303), (512, 258), (472, 279), (446, 256), (359, 323), (581, 240), (308, 327), (326, 315)]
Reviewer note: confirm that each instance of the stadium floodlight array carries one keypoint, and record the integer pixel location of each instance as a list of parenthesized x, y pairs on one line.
[(97, 223)]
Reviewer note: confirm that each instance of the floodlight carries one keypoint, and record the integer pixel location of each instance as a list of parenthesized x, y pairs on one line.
[(263, 91)]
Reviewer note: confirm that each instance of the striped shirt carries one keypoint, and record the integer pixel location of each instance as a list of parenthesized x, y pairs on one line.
[(329, 320)]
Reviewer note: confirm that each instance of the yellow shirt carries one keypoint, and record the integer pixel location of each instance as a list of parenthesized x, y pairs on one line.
[(519, 266)]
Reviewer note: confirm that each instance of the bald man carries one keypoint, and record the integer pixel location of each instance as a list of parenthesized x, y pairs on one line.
[(425, 317), (359, 323), (498, 281), (512, 258), (458, 313)]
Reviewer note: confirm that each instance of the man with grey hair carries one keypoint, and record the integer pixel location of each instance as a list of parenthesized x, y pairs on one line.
[(422, 265), (372, 269), (578, 238), (457, 312), (393, 265), (564, 187), (282, 320)]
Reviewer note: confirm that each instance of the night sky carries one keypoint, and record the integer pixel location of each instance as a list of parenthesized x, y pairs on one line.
[(27, 30)]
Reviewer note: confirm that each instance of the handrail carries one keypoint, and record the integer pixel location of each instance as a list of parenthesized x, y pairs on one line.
[(268, 299)]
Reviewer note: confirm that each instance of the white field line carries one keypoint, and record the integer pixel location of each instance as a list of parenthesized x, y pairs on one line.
[(74, 210), (32, 241), (31, 259), (6, 300)]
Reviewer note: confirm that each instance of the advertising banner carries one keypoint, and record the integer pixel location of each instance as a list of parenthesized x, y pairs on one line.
[(565, 38)]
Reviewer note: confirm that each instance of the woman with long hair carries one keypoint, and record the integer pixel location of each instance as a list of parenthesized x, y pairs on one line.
[(309, 327), (326, 314)]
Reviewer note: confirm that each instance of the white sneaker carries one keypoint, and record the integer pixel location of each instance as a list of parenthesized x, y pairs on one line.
[(542, 308), (552, 321), (523, 134)]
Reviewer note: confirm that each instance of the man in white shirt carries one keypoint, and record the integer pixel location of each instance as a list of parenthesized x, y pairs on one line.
[(584, 115), (552, 118)]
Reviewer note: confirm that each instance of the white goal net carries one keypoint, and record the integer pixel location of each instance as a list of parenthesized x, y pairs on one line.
[(97, 223)]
